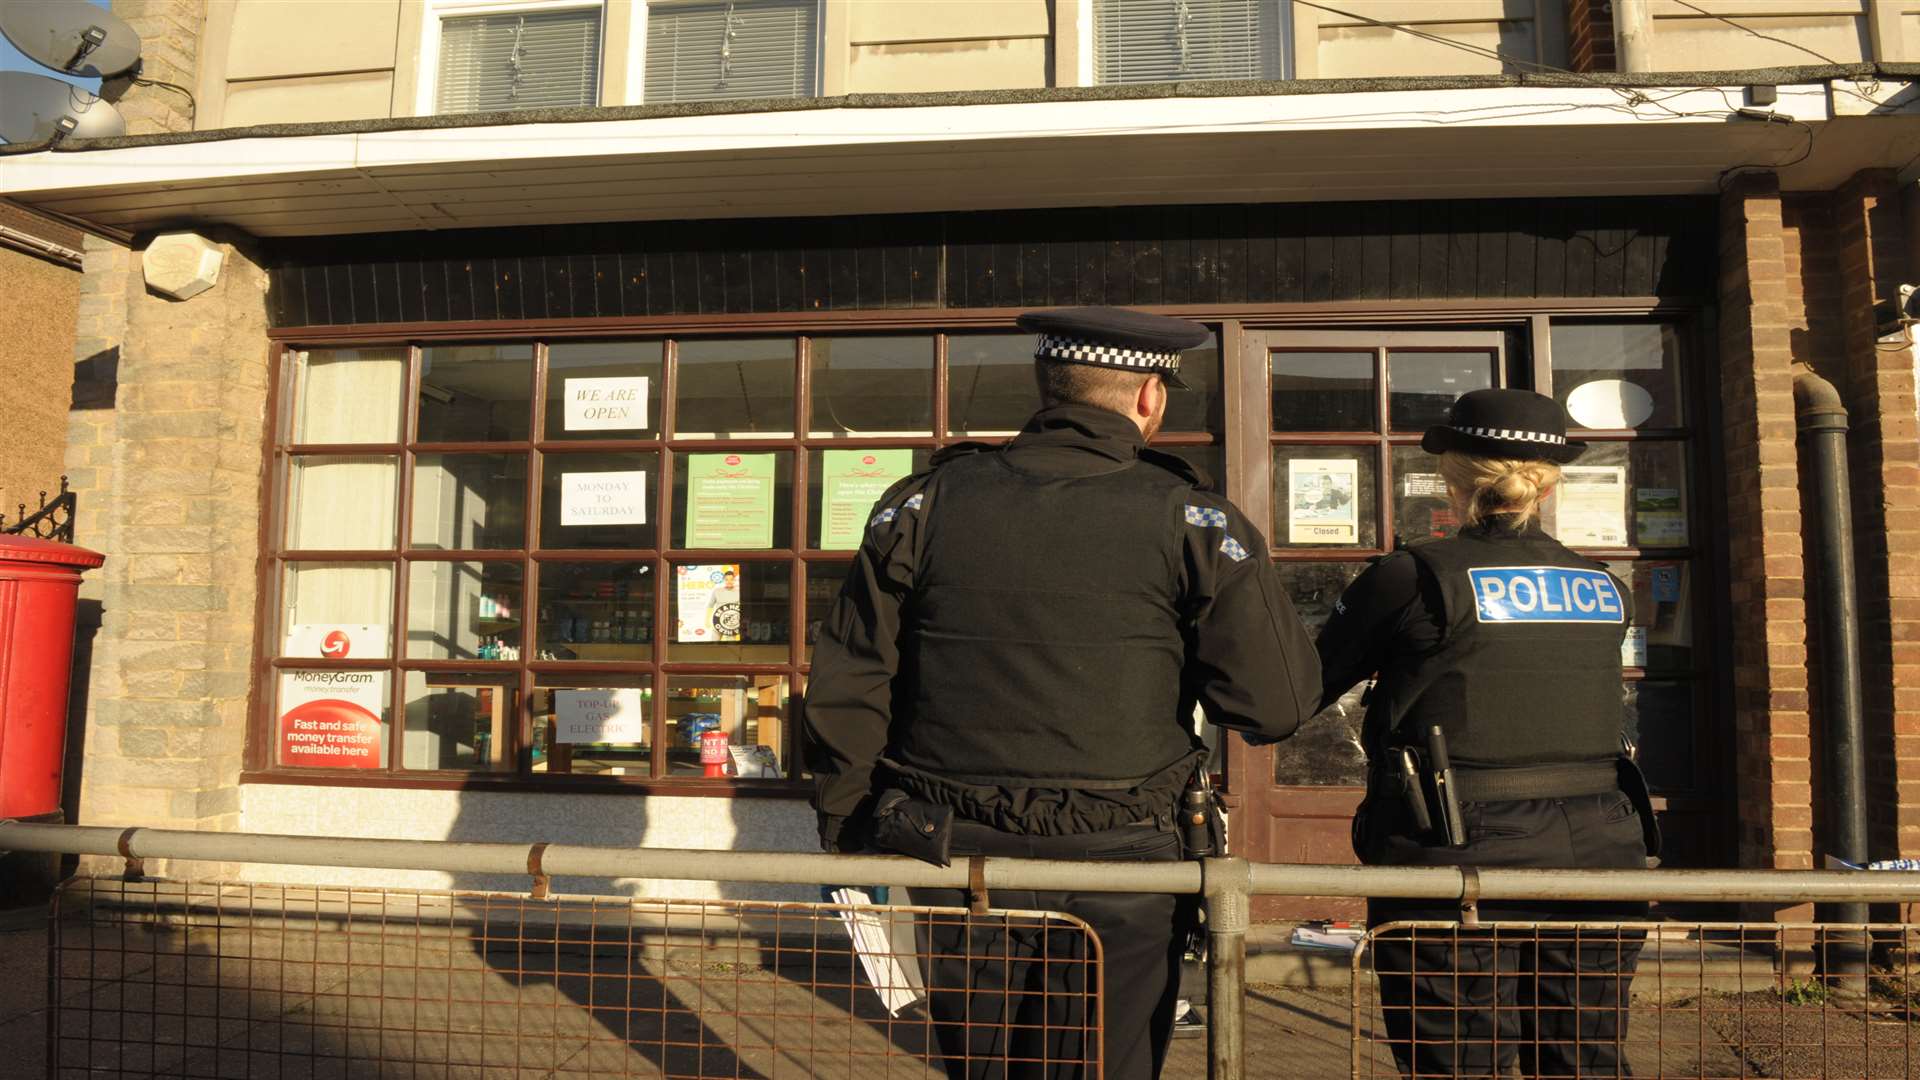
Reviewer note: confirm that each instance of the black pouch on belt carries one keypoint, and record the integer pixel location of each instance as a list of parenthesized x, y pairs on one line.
[(1634, 784), (910, 826)]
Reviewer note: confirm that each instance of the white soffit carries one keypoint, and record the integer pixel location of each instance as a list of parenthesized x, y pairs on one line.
[(1461, 143)]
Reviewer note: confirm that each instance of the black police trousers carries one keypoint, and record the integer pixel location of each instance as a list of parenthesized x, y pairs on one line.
[(1011, 1002), (1479, 1002)]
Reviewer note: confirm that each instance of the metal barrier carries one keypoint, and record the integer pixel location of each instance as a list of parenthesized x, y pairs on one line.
[(1225, 884), (212, 981), (1668, 999)]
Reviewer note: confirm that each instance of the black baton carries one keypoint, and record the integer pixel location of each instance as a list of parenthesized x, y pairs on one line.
[(1443, 789), (1412, 790)]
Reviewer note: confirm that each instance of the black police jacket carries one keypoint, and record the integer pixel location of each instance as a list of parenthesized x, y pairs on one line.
[(1501, 635), (1024, 634)]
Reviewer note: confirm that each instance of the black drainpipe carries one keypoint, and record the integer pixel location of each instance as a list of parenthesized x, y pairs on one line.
[(1822, 420)]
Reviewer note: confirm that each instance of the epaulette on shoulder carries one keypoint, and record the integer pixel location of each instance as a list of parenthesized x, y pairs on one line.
[(1178, 466), (958, 450)]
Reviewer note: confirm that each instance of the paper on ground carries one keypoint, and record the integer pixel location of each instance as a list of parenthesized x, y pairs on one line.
[(884, 940)]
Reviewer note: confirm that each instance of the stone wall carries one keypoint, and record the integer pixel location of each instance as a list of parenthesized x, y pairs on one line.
[(173, 489)]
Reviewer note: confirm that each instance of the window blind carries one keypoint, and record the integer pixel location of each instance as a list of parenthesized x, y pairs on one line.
[(743, 49), (1174, 40), (519, 60)]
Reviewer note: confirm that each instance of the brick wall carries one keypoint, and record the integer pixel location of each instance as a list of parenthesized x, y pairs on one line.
[(169, 52), (1877, 380), (1590, 35), (1757, 305)]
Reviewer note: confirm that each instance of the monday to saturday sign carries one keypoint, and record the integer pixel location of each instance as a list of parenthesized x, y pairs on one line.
[(1545, 594)]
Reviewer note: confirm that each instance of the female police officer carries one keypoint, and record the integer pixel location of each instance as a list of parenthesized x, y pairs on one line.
[(1494, 737)]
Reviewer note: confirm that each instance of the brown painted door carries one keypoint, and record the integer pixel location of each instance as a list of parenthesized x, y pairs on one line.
[(1328, 460)]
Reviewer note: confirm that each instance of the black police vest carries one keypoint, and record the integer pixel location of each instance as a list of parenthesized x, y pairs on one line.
[(1528, 672), (1041, 644)]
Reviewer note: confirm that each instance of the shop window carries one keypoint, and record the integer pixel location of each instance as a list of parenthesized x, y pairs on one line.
[(1185, 40), (1350, 480), (713, 50), (533, 554), (531, 56)]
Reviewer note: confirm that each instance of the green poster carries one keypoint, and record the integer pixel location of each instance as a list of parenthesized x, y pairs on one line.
[(850, 482), (729, 501)]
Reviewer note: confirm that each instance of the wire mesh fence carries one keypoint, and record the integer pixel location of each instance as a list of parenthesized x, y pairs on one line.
[(1678, 1000), (222, 981)]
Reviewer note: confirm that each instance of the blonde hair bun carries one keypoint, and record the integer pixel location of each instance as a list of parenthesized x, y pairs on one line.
[(1497, 486)]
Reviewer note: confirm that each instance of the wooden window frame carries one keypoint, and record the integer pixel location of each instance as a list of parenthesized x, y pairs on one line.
[(668, 445)]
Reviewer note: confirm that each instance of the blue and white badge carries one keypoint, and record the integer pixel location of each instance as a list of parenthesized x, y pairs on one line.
[(1546, 594)]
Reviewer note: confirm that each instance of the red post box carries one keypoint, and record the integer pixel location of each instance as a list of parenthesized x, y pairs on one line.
[(39, 582)]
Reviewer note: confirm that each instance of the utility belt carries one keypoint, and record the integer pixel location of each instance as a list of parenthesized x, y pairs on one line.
[(1434, 790), (915, 813)]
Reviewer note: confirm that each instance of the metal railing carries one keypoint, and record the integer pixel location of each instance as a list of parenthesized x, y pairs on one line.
[(50, 521), (1226, 884)]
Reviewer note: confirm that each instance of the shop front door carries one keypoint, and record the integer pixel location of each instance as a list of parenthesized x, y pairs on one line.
[(1330, 463)]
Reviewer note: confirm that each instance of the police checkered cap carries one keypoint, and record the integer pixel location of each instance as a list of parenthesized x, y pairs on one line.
[(1513, 435), (1081, 351)]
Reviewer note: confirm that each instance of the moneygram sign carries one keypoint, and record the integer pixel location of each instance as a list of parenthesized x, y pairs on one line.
[(331, 719)]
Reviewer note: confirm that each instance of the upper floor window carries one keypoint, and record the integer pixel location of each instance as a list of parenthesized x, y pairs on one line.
[(1178, 40), (709, 50), (524, 56)]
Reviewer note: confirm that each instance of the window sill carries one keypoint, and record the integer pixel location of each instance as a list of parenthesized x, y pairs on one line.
[(584, 785)]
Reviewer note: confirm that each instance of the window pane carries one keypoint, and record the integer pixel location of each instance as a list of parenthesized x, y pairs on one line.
[(599, 500), (1660, 719), (595, 611), (1325, 496), (1661, 637), (990, 387), (519, 60), (1618, 375), (741, 49), (823, 588), (348, 395), (603, 390), (731, 613), (732, 389), (464, 610), (871, 386), (1622, 494), (476, 393), (1180, 40), (1326, 749), (337, 611), (1198, 409), (1423, 385), (332, 719), (468, 502), (842, 486), (1420, 506), (1323, 391), (592, 725), (459, 721), (341, 503), (739, 500), (727, 725)]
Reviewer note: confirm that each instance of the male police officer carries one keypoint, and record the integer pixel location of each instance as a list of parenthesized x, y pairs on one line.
[(1012, 667)]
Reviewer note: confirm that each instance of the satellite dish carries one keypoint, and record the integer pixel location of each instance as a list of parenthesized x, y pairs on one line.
[(70, 36), (40, 108)]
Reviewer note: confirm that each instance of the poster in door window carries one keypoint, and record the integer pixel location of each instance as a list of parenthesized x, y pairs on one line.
[(1659, 517), (708, 603), (331, 719), (605, 404), (1592, 506), (851, 481), (729, 501), (1323, 501)]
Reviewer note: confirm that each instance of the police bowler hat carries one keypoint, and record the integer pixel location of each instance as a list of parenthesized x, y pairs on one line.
[(1115, 338), (1505, 424)]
